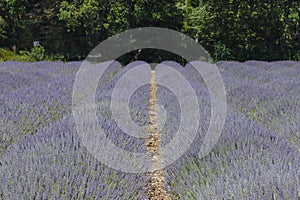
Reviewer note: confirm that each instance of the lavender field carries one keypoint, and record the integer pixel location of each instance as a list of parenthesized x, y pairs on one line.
[(256, 157)]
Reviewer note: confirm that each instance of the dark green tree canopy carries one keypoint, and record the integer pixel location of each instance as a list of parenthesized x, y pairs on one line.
[(231, 30)]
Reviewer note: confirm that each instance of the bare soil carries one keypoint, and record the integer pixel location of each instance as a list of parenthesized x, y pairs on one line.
[(156, 182)]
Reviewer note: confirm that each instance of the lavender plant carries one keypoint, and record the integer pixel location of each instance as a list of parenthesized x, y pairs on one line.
[(249, 160), (53, 164), (256, 157)]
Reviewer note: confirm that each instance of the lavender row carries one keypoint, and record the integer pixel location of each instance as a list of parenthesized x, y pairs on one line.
[(138, 111), (54, 164), (62, 166), (249, 161), (26, 110), (16, 75), (273, 80), (238, 164), (270, 66), (41, 68), (277, 109)]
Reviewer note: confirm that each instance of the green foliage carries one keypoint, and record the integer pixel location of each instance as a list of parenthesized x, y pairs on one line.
[(3, 30), (6, 54), (221, 52), (250, 29), (229, 30), (55, 57), (37, 53), (77, 13)]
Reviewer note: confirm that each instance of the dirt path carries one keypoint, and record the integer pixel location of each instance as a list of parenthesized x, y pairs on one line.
[(156, 183)]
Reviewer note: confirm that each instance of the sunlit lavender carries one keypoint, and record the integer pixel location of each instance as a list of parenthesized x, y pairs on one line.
[(256, 157)]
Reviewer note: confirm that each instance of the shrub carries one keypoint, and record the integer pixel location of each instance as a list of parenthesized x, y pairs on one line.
[(37, 53), (6, 54)]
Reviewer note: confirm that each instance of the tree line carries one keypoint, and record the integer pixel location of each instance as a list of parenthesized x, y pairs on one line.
[(227, 29)]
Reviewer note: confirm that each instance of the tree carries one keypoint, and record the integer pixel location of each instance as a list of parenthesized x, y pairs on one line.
[(246, 30)]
